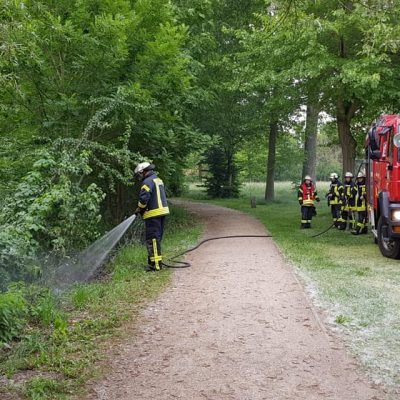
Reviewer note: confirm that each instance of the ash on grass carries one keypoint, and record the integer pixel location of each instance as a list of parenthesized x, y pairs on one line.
[(345, 274)]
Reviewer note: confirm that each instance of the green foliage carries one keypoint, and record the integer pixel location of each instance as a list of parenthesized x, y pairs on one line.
[(13, 310), (342, 319), (223, 178), (63, 336), (89, 89), (48, 208), (43, 388)]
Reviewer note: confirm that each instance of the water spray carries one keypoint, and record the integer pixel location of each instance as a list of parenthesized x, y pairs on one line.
[(82, 267)]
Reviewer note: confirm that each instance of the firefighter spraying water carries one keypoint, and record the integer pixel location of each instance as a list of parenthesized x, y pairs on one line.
[(153, 207)]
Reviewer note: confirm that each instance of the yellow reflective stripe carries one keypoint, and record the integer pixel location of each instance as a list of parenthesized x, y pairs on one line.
[(158, 182), (305, 202), (156, 257), (141, 205), (156, 212), (304, 221), (146, 188), (301, 190), (300, 198)]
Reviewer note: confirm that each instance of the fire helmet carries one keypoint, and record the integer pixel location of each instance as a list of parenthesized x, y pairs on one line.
[(348, 175), (144, 166), (307, 178), (361, 174), (334, 175)]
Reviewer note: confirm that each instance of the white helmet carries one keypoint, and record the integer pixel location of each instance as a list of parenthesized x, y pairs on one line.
[(334, 175), (307, 178), (143, 166), (348, 175), (361, 174)]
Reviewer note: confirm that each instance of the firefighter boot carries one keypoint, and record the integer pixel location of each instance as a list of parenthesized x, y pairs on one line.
[(364, 230), (356, 231), (342, 225)]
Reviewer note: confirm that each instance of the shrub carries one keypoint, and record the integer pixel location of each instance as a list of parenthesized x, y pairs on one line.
[(13, 312), (223, 179)]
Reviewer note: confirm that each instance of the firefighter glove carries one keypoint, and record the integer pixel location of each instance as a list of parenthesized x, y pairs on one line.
[(301, 202), (318, 199), (139, 211)]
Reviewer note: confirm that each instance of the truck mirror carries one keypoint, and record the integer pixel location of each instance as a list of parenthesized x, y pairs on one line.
[(375, 154)]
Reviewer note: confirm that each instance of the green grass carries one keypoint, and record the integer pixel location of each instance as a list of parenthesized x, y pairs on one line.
[(345, 274), (62, 348)]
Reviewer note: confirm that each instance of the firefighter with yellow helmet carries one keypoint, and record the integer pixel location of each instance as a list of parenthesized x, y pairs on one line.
[(307, 195), (153, 207), (335, 199), (361, 205), (349, 201)]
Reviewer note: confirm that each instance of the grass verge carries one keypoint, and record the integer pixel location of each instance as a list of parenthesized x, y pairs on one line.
[(346, 274), (60, 349)]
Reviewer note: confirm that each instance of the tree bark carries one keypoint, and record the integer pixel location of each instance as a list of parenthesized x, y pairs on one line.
[(310, 143), (344, 113), (269, 187)]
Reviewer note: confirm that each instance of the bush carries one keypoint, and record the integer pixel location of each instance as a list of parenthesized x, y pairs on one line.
[(223, 179), (50, 213), (13, 312)]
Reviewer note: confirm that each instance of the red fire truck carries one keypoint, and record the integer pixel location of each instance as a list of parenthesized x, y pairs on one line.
[(383, 183)]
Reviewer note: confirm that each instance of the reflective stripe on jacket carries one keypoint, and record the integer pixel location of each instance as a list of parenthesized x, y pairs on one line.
[(361, 199), (152, 197), (307, 194), (335, 193), (350, 192)]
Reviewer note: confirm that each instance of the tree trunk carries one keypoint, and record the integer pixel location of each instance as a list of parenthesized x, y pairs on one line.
[(310, 143), (269, 188), (345, 113)]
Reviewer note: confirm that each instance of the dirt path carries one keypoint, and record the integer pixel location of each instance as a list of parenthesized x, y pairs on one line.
[(237, 325)]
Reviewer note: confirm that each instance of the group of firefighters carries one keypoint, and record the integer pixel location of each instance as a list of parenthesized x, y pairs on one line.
[(347, 201)]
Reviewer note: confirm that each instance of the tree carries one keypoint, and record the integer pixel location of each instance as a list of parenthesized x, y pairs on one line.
[(226, 112), (107, 81), (310, 140)]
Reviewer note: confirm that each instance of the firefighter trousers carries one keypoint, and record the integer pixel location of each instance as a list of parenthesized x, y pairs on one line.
[(154, 232), (336, 214), (361, 226), (348, 215), (306, 216)]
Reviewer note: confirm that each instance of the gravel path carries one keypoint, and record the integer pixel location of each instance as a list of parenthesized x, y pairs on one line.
[(237, 325)]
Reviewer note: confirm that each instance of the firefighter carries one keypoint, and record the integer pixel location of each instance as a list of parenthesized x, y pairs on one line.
[(306, 196), (335, 199), (153, 207), (349, 200), (361, 205)]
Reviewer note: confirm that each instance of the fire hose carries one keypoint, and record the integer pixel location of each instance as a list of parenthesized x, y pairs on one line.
[(185, 264)]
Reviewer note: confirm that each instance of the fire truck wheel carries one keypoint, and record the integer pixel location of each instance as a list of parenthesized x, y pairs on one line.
[(389, 247)]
